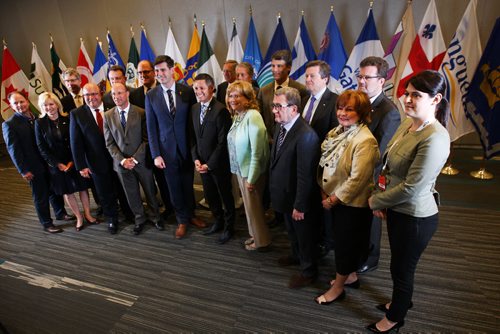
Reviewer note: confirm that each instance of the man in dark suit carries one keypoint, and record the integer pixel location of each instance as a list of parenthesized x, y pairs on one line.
[(385, 119), (127, 142), (73, 82), (19, 137), (116, 74), (168, 116), (281, 64), (147, 81), (211, 122), (229, 72), (292, 182), (91, 156)]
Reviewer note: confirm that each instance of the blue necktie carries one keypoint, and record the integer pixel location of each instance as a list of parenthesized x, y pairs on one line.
[(310, 109), (171, 102), (203, 113), (122, 119)]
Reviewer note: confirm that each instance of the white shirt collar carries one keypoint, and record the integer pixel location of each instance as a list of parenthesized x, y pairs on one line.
[(372, 99)]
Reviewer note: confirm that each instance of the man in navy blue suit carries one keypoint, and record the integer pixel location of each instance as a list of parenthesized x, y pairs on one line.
[(168, 117), (19, 137)]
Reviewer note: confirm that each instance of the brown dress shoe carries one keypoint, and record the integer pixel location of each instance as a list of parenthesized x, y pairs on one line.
[(198, 222), (299, 281), (181, 231)]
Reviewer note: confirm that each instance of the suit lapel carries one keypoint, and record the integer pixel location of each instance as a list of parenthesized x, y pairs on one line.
[(289, 137)]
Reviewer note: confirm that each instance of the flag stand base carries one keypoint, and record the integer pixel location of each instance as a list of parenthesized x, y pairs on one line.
[(449, 170), (482, 174)]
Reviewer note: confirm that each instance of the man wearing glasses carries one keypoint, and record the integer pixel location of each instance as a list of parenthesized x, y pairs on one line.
[(385, 119)]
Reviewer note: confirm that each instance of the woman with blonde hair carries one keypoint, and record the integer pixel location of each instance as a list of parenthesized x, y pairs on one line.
[(52, 137), (249, 158)]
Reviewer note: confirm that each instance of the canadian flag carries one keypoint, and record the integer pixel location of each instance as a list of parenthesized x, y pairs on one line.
[(428, 49), (84, 65)]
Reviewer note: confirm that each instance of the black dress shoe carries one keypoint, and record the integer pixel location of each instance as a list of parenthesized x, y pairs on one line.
[(287, 260), (299, 281), (113, 228), (138, 229), (52, 229), (373, 327), (159, 226), (91, 222), (212, 229), (66, 217), (383, 308), (224, 237), (367, 268)]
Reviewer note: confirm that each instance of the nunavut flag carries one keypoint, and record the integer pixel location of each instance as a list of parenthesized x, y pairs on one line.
[(14, 79)]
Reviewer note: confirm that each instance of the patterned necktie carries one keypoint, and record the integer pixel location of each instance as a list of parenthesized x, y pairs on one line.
[(122, 119), (98, 117), (171, 102), (310, 109), (203, 113), (281, 138)]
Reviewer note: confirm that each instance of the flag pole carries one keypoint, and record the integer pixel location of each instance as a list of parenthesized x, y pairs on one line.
[(131, 31), (482, 173), (449, 169)]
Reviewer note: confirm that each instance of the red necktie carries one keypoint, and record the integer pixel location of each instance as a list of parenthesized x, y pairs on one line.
[(98, 117)]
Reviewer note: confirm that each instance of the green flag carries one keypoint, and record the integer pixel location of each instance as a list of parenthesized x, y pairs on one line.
[(133, 61)]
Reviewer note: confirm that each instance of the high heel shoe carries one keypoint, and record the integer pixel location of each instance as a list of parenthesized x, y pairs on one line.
[(339, 298), (91, 222), (383, 308), (373, 327), (79, 228)]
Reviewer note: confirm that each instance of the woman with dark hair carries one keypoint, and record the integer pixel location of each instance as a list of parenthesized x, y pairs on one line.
[(406, 196), (52, 137), (349, 155)]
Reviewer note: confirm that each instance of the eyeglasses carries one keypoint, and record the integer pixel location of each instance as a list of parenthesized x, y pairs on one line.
[(367, 77), (144, 72), (280, 107)]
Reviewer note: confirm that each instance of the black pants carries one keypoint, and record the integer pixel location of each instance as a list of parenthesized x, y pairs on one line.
[(351, 232), (218, 192), (408, 237), (42, 196), (180, 177), (105, 187)]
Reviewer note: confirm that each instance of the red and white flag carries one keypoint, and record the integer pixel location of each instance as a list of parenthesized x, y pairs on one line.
[(428, 49), (14, 79), (84, 65)]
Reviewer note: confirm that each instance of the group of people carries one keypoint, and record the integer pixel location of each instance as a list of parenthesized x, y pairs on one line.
[(332, 167)]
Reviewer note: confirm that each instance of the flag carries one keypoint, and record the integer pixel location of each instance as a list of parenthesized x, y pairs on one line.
[(57, 68), (146, 51), (14, 79), (302, 53), (252, 52), (172, 50), (84, 65), (428, 48), (132, 62), (207, 62), (406, 40), (101, 66), (482, 102), (368, 44), (332, 51), (40, 79), (278, 42), (389, 53), (113, 55), (192, 57), (459, 64), (234, 50)]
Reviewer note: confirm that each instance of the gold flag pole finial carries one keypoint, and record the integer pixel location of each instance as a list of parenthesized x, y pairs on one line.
[(371, 4), (302, 13), (279, 15), (331, 9), (250, 10), (107, 30), (234, 21), (81, 39), (4, 42), (33, 43), (51, 39), (132, 30), (195, 19), (203, 24), (169, 22)]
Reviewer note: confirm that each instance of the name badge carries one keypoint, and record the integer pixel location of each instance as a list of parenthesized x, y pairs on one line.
[(382, 182)]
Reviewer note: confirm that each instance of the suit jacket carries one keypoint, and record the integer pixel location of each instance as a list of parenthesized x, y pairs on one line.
[(169, 137), (19, 137), (221, 92), (131, 142), (87, 142), (68, 103), (209, 143), (292, 181), (266, 96), (138, 97), (325, 116), (54, 150), (108, 100)]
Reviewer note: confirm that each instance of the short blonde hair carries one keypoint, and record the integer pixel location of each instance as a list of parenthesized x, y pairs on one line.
[(50, 96), (246, 89)]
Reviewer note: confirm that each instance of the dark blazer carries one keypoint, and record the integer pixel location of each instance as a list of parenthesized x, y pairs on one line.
[(209, 143), (131, 142), (169, 136), (292, 181), (137, 97), (221, 92), (266, 96), (53, 150), (385, 119), (108, 99), (87, 142), (19, 137), (68, 103), (325, 116)]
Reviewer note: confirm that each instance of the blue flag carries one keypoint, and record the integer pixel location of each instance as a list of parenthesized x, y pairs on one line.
[(278, 42), (146, 51), (113, 55), (482, 103), (302, 53), (101, 66), (252, 52), (333, 52)]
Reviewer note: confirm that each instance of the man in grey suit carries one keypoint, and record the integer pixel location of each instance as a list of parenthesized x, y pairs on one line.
[(292, 182), (127, 142), (385, 119)]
